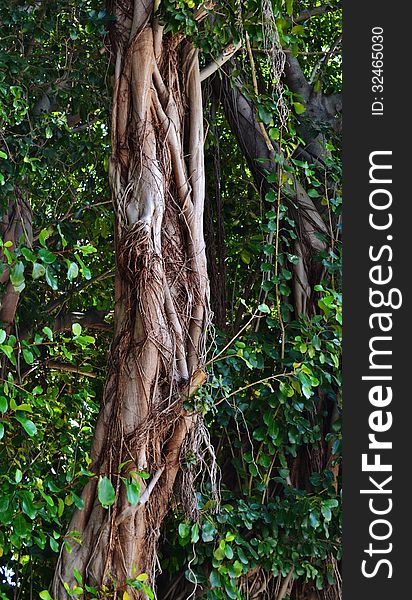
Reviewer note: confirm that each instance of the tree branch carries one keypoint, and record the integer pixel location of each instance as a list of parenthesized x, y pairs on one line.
[(59, 302), (308, 13), (92, 319), (217, 63), (325, 58)]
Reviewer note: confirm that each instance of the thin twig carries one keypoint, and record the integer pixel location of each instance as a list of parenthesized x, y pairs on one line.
[(245, 387)]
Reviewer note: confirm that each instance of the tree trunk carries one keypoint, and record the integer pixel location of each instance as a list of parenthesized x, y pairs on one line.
[(157, 178), (15, 227)]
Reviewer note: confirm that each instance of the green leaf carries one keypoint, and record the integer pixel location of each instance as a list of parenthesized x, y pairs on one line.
[(89, 249), (77, 329), (38, 270), (84, 340), (47, 256), (297, 29), (3, 335), (184, 530), (48, 332), (326, 512), (28, 356), (28, 426), (264, 115), (1, 431), (17, 277), (72, 271), (51, 278), (299, 108), (133, 492), (314, 521), (44, 234), (264, 308), (3, 154), (21, 527), (105, 492), (214, 579), (28, 506), (53, 544), (9, 352), (77, 575), (149, 592), (195, 533), (3, 404), (274, 133), (44, 595), (28, 255)]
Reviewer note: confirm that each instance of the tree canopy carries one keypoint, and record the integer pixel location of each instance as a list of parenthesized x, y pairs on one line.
[(266, 478)]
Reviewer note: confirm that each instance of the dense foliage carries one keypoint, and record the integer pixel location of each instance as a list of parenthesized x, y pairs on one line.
[(272, 400)]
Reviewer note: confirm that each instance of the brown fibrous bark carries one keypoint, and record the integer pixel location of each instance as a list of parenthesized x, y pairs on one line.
[(161, 310)]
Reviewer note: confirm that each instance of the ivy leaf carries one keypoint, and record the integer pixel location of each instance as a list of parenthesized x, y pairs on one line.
[(105, 492)]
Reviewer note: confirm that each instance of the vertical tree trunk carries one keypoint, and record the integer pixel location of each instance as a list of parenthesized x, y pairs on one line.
[(15, 227), (157, 178)]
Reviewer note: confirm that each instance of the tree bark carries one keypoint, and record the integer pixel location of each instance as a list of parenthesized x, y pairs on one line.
[(15, 227), (161, 310)]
